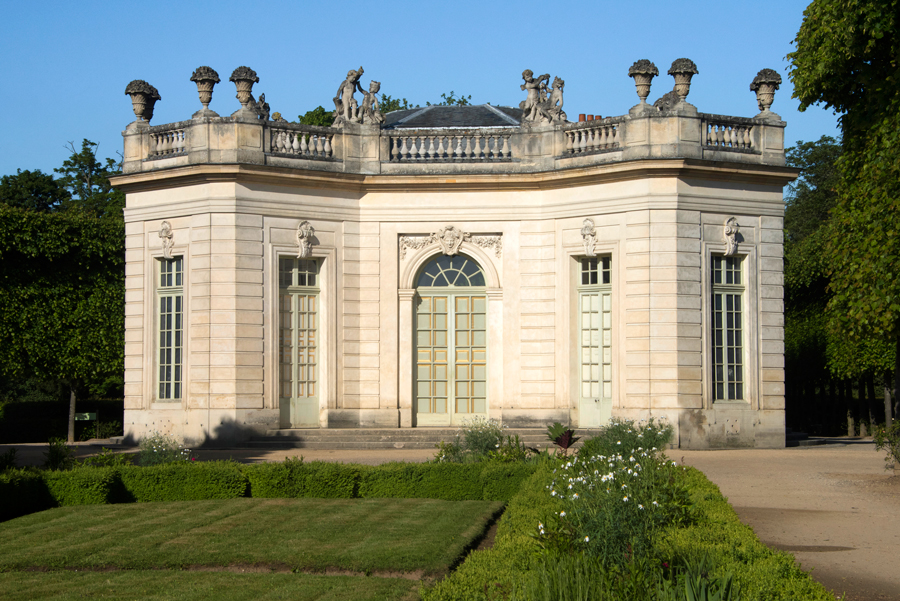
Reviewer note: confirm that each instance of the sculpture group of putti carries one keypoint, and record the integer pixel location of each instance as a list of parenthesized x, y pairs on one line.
[(538, 108), (347, 110)]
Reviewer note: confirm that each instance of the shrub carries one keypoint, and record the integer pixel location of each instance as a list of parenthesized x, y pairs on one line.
[(8, 459), (613, 505), (158, 449), (888, 440), (624, 437), (476, 439), (59, 456), (82, 486), (23, 491), (183, 481), (107, 458)]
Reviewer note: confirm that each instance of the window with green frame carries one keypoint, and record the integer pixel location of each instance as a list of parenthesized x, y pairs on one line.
[(170, 330), (727, 328), (595, 327)]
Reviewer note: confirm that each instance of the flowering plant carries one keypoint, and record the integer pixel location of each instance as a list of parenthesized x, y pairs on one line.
[(161, 448)]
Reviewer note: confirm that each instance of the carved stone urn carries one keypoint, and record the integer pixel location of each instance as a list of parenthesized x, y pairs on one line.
[(764, 84), (206, 79), (244, 78), (143, 97), (683, 69), (643, 72)]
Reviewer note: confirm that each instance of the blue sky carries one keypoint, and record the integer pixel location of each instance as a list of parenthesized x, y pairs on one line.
[(67, 63)]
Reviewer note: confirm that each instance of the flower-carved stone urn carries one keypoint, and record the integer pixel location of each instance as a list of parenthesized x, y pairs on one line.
[(643, 72), (683, 69), (244, 78), (143, 97), (206, 79), (764, 84)]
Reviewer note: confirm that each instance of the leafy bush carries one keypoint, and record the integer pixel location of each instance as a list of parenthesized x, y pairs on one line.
[(614, 505), (294, 479), (562, 436), (183, 481), (8, 459), (158, 449), (477, 439), (107, 458), (888, 440), (59, 456), (625, 436)]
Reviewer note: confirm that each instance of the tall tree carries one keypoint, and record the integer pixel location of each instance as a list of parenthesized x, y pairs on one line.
[(32, 190), (62, 282), (848, 58)]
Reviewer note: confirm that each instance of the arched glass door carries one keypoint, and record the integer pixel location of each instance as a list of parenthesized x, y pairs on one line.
[(451, 342)]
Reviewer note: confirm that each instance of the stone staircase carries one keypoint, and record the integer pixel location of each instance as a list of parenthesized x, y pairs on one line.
[(387, 438), (800, 439)]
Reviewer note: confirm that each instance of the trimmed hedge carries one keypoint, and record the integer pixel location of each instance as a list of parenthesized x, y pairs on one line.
[(28, 491), (23, 492), (182, 481), (759, 572)]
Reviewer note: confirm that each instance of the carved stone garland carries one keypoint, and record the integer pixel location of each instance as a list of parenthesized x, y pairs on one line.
[(732, 229), (589, 237), (450, 238), (167, 237), (305, 233)]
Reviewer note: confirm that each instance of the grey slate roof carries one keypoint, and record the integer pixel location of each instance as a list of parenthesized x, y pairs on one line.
[(481, 115)]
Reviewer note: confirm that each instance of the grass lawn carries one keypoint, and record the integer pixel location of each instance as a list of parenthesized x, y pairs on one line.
[(420, 536), (162, 585)]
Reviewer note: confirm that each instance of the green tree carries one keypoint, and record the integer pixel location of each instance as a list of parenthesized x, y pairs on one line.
[(62, 283), (32, 190), (317, 116), (452, 100), (847, 58)]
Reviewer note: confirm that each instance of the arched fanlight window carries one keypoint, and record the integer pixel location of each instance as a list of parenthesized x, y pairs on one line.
[(457, 270)]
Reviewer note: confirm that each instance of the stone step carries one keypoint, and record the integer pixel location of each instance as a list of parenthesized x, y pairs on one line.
[(384, 438)]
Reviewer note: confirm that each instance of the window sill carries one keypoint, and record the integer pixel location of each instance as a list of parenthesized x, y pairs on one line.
[(173, 404)]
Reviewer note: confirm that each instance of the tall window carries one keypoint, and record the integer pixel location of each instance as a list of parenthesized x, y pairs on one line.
[(595, 327), (170, 296), (727, 332), (298, 329)]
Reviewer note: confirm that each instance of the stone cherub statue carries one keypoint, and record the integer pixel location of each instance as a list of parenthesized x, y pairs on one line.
[(371, 113), (346, 109), (537, 108), (260, 106)]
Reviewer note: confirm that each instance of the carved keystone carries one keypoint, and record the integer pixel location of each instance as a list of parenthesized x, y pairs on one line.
[(143, 97)]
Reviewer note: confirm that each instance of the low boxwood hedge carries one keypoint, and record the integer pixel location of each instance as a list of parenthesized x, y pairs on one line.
[(27, 491)]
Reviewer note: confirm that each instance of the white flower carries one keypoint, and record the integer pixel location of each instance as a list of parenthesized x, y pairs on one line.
[(618, 442), (625, 499), (562, 514), (655, 503), (640, 506), (587, 539), (575, 496)]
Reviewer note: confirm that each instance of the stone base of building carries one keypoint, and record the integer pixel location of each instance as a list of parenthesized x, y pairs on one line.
[(717, 428)]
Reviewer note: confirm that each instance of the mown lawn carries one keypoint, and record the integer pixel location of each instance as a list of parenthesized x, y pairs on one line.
[(164, 585), (128, 550)]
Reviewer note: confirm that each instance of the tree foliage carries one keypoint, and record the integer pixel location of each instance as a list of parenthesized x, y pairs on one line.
[(62, 287)]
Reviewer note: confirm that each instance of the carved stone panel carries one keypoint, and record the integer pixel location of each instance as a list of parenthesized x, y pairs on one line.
[(732, 229), (414, 242), (589, 237), (168, 239), (495, 242), (305, 233), (450, 238)]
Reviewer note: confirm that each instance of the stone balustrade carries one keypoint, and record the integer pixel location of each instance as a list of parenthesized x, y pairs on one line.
[(449, 145), (592, 136), (727, 133), (302, 141), (166, 141)]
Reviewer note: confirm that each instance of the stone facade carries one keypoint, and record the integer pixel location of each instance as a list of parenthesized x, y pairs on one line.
[(659, 198)]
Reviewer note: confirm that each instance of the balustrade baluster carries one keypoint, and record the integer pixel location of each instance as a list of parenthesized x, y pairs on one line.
[(720, 136), (328, 149), (505, 153), (431, 151), (602, 139), (747, 138), (320, 146), (569, 147), (477, 150), (395, 140), (293, 143), (582, 146)]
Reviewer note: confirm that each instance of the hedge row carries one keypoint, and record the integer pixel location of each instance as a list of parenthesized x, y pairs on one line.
[(28, 491), (759, 572)]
